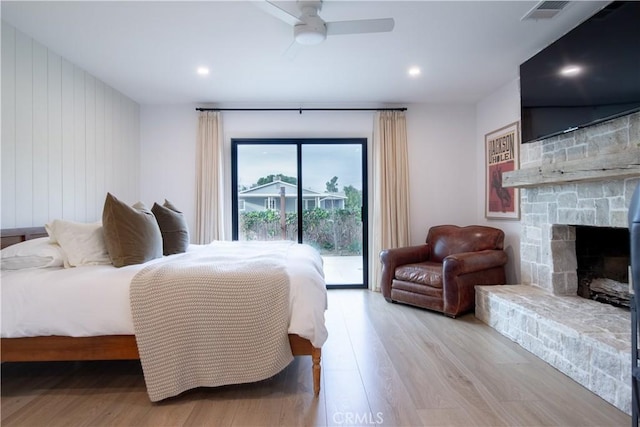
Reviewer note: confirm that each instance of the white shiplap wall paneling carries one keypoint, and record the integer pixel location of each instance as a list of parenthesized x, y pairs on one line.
[(24, 130), (90, 143), (68, 154), (8, 127), (67, 138), (40, 155), (101, 189), (117, 177), (79, 145), (108, 138), (54, 109)]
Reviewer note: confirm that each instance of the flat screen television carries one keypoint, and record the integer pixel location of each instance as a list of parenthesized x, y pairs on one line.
[(589, 75)]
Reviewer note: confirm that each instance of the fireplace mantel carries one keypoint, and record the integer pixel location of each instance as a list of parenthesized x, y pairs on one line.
[(620, 165)]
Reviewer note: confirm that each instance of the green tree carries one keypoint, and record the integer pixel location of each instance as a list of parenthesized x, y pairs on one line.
[(354, 197), (332, 185), (279, 177)]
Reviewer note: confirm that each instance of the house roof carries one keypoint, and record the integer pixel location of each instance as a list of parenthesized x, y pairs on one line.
[(272, 189), (149, 50)]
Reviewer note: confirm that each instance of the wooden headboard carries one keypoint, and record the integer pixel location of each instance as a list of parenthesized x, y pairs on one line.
[(11, 236)]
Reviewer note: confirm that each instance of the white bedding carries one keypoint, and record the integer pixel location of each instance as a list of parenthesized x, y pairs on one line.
[(94, 300)]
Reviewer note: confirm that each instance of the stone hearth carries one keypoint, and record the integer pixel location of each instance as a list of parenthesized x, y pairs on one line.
[(564, 181), (586, 340)]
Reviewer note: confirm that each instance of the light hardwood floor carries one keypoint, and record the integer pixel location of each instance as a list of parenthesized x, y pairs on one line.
[(383, 364)]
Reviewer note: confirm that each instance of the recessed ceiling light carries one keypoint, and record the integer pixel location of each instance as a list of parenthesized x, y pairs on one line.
[(203, 71), (570, 70), (414, 71)]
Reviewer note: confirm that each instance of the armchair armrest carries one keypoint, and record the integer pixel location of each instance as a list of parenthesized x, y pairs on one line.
[(406, 255), (392, 258), (469, 262), (462, 271)]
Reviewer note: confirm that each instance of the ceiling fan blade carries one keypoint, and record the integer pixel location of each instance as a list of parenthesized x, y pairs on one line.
[(360, 26), (278, 11)]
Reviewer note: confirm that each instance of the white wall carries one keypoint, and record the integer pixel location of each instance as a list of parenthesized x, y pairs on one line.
[(495, 111), (168, 157), (438, 137), (67, 138), (442, 159)]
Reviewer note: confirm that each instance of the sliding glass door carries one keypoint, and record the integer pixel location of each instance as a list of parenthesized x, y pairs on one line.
[(306, 190)]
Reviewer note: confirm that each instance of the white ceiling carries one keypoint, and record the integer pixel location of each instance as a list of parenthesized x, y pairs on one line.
[(150, 50)]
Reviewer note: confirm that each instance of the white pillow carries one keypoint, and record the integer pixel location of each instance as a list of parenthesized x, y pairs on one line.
[(34, 253), (82, 243)]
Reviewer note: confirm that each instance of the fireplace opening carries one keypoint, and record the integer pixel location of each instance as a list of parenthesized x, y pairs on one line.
[(603, 264)]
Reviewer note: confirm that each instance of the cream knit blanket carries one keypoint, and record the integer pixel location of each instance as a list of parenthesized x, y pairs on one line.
[(204, 319)]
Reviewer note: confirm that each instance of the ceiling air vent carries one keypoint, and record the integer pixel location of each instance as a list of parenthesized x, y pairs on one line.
[(545, 10)]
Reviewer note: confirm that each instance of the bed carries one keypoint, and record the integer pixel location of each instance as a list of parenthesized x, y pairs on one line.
[(111, 346)]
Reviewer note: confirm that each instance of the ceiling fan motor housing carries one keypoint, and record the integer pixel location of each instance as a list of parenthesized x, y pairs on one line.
[(312, 31)]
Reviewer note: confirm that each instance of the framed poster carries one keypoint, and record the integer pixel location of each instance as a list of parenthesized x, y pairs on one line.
[(501, 154)]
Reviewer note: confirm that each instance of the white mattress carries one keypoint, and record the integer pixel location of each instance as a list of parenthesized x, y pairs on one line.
[(94, 300)]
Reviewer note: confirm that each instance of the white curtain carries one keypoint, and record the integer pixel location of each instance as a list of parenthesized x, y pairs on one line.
[(209, 185), (390, 193)]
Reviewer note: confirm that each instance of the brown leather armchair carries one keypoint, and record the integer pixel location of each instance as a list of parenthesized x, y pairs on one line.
[(441, 275)]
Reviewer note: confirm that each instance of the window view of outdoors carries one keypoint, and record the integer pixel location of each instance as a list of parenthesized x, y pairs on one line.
[(332, 198)]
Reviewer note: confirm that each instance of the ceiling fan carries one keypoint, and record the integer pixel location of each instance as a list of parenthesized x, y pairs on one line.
[(310, 29)]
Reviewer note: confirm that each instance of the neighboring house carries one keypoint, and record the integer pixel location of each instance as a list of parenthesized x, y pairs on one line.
[(268, 196)]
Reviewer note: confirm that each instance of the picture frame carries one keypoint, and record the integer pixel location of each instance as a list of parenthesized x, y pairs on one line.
[(502, 151)]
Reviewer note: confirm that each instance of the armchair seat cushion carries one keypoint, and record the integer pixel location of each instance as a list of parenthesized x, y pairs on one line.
[(425, 273)]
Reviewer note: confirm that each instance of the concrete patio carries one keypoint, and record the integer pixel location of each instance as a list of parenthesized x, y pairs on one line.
[(343, 270)]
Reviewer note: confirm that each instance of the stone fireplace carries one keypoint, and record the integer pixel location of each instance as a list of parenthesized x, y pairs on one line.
[(584, 178)]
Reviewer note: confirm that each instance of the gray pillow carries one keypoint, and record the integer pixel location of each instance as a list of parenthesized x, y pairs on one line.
[(173, 226), (131, 233)]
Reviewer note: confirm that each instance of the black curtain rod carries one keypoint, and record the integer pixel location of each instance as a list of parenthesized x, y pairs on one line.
[(300, 110)]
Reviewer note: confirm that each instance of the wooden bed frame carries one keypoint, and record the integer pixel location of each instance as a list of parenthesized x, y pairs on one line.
[(107, 347)]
